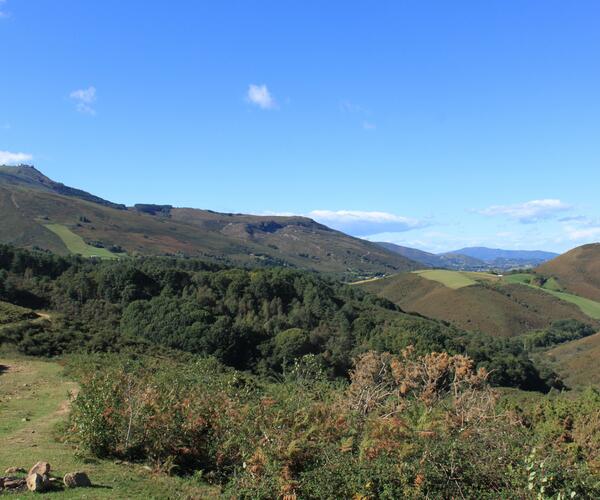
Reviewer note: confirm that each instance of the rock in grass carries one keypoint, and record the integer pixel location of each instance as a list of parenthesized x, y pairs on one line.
[(77, 480), (15, 470), (37, 482), (41, 468), (11, 483)]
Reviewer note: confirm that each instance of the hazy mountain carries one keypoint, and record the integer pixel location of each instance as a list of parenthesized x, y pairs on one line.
[(491, 255)]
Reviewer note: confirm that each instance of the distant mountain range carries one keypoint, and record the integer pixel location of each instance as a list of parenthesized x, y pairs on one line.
[(474, 258), (38, 212)]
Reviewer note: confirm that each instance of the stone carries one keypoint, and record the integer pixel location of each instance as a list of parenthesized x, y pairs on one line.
[(15, 470), (36, 482), (41, 468), (77, 480), (13, 483)]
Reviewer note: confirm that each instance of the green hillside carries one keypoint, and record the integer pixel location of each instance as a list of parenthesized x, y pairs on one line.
[(480, 301), (577, 361), (36, 214), (577, 271)]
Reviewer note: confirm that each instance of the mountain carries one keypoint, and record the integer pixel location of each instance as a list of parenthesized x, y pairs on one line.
[(425, 258), (475, 301), (443, 261), (29, 177), (39, 212), (576, 271), (473, 258), (497, 256)]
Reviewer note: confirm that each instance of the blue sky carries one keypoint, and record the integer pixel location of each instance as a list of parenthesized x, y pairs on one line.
[(431, 124)]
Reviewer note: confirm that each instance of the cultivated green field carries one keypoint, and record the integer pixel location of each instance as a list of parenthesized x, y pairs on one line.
[(522, 278), (454, 279), (589, 307), (76, 245)]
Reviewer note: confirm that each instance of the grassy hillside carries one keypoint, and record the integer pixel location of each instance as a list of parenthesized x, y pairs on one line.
[(37, 217), (577, 361), (577, 271), (553, 287), (76, 245), (475, 301)]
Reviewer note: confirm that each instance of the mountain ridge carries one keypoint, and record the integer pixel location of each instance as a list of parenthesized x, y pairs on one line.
[(30, 202)]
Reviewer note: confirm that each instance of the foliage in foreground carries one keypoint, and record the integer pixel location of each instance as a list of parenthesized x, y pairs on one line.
[(404, 426)]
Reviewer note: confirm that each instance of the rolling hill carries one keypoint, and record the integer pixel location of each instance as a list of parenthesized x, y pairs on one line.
[(577, 361), (475, 301), (577, 271), (38, 212)]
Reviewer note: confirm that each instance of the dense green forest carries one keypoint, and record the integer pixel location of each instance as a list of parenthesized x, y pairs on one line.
[(258, 320)]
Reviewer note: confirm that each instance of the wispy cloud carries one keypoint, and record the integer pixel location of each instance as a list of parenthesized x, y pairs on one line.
[(369, 125), (8, 158), (3, 13), (363, 223), (84, 100), (581, 228), (260, 96), (530, 211), (353, 108)]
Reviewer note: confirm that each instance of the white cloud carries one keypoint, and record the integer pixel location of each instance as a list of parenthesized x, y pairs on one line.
[(350, 107), (8, 158), (369, 125), (528, 212), (260, 96), (362, 223), (3, 13), (583, 233), (84, 99)]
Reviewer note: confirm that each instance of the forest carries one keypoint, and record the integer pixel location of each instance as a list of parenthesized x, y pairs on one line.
[(256, 320)]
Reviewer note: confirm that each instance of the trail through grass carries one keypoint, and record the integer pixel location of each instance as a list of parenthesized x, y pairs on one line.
[(34, 399), (76, 245)]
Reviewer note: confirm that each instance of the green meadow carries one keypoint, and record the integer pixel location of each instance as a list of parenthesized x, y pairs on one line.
[(454, 279), (76, 245)]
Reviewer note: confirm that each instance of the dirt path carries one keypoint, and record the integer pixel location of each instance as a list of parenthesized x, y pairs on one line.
[(12, 198), (35, 397)]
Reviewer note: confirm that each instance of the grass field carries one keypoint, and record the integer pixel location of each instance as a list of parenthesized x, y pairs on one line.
[(34, 399), (455, 279), (76, 245), (523, 278), (587, 306)]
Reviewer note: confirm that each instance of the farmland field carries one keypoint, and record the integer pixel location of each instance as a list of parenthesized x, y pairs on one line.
[(552, 286), (589, 307), (454, 279), (76, 245)]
